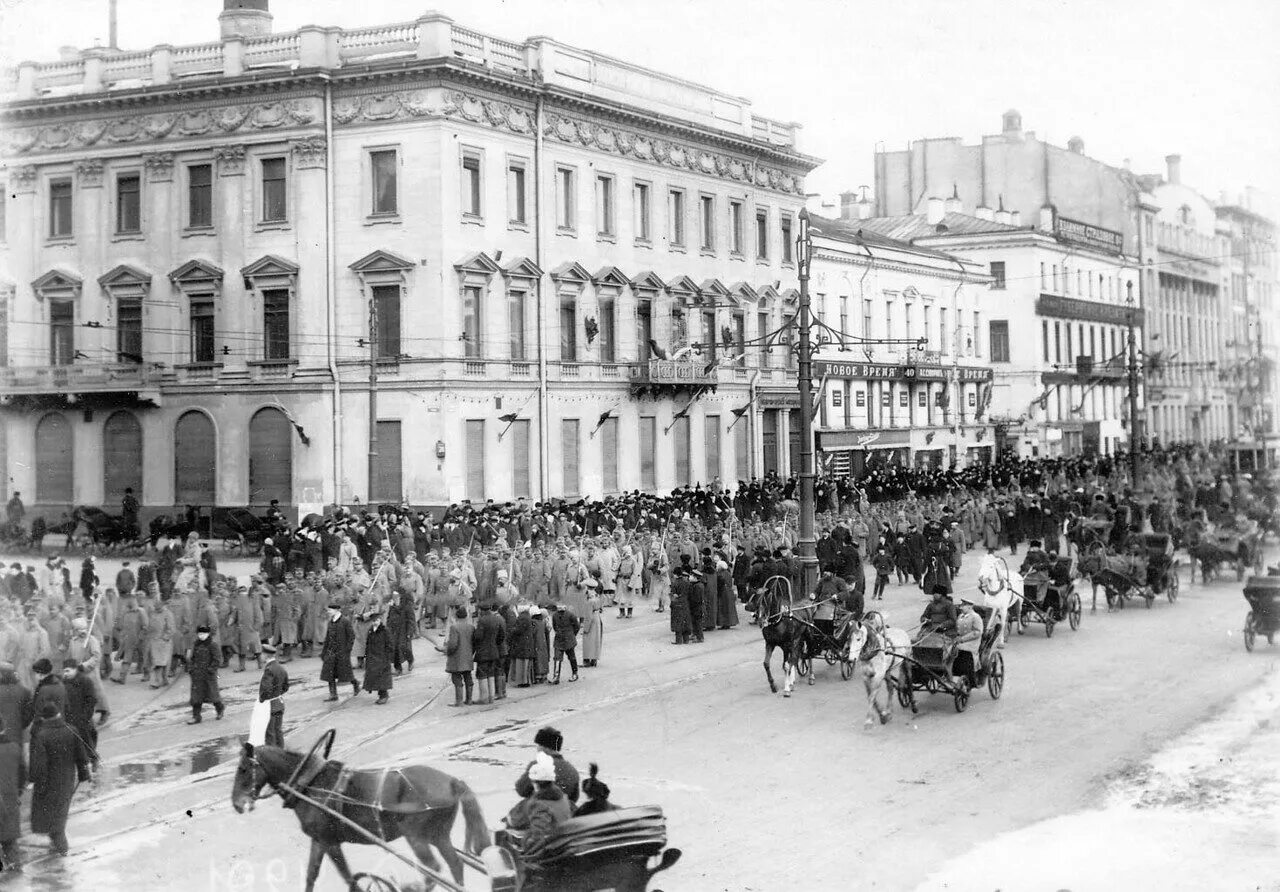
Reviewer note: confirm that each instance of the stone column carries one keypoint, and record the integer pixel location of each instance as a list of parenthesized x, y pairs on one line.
[(166, 315), (308, 316), (233, 199)]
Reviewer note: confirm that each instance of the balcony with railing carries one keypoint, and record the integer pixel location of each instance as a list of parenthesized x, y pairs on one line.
[(81, 381), (432, 36)]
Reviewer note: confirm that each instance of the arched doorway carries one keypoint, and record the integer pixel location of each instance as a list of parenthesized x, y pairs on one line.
[(270, 457), (195, 460), (121, 457), (55, 460)]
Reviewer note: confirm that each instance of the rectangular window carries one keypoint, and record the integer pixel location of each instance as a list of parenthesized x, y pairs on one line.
[(566, 199), (711, 440), (977, 333), (568, 329), (997, 274), (999, 341), (384, 165), (739, 334), (1044, 338), (844, 318), (680, 443), (60, 208), (473, 321), (1055, 277), (202, 331), (788, 246), (387, 479), (707, 222), (609, 454), (648, 450), (199, 195), (386, 299), (129, 330), (517, 300), (275, 192), (608, 330), (762, 332), (275, 323), (1057, 343), (866, 318), (675, 217), (517, 194), (1044, 279), (641, 211), (128, 203), (709, 335), (644, 328), (569, 457), (62, 337), (926, 330), (742, 450), (475, 460), (606, 224), (888, 320), (907, 313), (735, 227), (762, 234), (922, 397), (943, 344), (520, 474), (472, 188)]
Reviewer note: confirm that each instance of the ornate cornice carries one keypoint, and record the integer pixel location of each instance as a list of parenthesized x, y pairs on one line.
[(198, 122), (159, 167), (310, 152), (89, 173), (230, 161)]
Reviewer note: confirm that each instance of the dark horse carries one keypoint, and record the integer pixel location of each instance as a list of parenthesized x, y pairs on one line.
[(416, 802), (782, 629)]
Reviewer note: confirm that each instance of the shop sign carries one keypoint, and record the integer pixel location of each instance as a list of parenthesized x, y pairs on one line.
[(864, 439), (780, 400), (1061, 307), (882, 371), (1090, 236)]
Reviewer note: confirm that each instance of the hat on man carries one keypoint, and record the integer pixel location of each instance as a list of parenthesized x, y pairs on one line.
[(49, 710), (79, 624), (549, 738), (200, 629), (42, 666)]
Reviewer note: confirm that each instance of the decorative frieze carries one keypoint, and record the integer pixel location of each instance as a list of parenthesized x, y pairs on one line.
[(23, 179), (309, 153), (89, 173), (159, 167), (230, 160)]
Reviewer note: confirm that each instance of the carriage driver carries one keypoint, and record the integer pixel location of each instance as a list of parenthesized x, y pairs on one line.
[(939, 614), (830, 591), (969, 629)]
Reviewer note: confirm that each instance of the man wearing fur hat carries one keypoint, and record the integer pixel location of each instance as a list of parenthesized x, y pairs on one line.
[(549, 742)]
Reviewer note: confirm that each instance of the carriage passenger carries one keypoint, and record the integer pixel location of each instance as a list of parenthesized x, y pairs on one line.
[(969, 631), (939, 614)]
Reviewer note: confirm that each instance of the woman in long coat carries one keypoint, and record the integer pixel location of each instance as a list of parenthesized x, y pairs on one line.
[(991, 527), (710, 590), (541, 645), (593, 628), (59, 760), (726, 603), (524, 649), (400, 624), (378, 653)]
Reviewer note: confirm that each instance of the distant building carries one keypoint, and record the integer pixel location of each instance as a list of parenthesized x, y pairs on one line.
[(1051, 326), (408, 262), (922, 400)]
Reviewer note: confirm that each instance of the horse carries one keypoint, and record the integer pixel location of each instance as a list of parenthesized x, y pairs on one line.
[(416, 802), (880, 652), (781, 629)]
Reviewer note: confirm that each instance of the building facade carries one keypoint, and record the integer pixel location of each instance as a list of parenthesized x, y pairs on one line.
[(1052, 326), (407, 262), (902, 369)]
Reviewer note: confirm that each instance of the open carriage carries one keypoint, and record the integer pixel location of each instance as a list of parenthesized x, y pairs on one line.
[(831, 648), (1162, 566), (939, 664), (1263, 618), (1047, 603)]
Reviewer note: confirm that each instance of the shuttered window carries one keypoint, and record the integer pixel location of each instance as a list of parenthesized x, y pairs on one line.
[(648, 450), (55, 462), (520, 470), (195, 459), (711, 428), (609, 454), (742, 449), (270, 457), (569, 457), (387, 481), (122, 457), (680, 439), (475, 460)]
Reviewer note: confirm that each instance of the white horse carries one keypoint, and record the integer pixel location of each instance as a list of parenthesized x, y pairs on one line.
[(1001, 589), (879, 653)]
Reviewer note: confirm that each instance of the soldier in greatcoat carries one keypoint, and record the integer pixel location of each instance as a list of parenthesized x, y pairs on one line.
[(246, 625)]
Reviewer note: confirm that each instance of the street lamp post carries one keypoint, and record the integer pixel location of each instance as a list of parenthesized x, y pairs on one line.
[(1134, 438), (808, 540)]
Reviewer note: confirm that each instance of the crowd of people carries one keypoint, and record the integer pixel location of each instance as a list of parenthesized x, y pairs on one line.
[(510, 593)]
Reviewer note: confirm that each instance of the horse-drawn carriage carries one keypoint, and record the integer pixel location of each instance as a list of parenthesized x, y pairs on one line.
[(832, 648), (1046, 602), (1162, 566), (106, 533), (1238, 547), (1263, 618), (940, 663), (610, 851), (239, 529)]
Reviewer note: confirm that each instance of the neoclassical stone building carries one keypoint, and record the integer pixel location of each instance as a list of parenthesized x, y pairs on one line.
[(408, 262)]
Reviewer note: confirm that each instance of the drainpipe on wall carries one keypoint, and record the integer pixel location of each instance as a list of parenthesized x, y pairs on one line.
[(752, 468), (543, 430), (330, 287)]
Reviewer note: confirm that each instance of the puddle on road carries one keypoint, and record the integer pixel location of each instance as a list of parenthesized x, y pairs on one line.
[(184, 761)]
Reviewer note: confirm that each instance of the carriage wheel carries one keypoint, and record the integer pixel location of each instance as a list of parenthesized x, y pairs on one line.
[(830, 656), (995, 676), (904, 695), (846, 669), (1074, 611), (1250, 632), (804, 666), (962, 697), (1173, 585), (1023, 619), (1048, 627), (368, 882)]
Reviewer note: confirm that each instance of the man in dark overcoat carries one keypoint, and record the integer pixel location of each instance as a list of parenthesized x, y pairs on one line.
[(486, 644), (379, 651), (202, 666), (59, 762), (335, 653)]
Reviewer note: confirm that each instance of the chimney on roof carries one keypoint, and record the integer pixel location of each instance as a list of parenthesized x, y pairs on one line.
[(1174, 163), (245, 18), (1046, 218), (982, 212), (1015, 218), (864, 209), (1012, 123), (1002, 216), (954, 205), (936, 210), (848, 205)]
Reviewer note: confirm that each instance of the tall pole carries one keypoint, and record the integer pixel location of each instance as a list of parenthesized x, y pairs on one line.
[(1134, 438), (373, 395), (112, 27), (808, 541)]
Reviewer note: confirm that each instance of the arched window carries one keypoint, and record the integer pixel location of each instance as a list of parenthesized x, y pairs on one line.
[(195, 460), (121, 457), (270, 457), (55, 460)]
